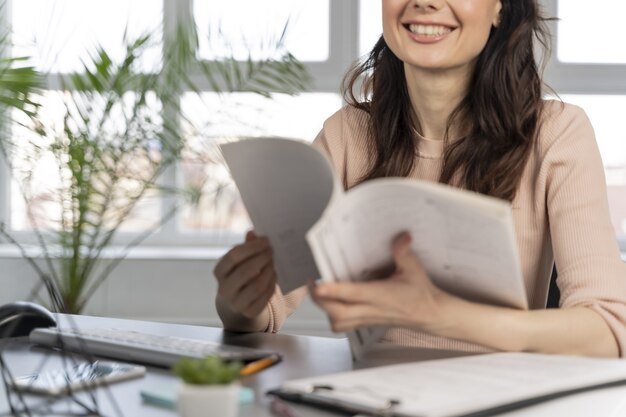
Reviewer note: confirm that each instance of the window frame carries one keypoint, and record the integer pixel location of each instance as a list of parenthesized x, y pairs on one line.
[(566, 77), (562, 77), (327, 75), (581, 78)]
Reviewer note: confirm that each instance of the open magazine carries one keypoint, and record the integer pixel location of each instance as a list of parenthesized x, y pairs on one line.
[(464, 240)]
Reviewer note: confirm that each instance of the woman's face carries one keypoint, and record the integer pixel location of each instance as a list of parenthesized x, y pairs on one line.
[(439, 34)]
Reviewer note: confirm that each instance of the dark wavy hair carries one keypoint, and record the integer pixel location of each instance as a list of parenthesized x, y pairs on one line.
[(501, 111)]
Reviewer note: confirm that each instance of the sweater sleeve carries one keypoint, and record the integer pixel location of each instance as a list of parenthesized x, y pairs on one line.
[(590, 270), (281, 306)]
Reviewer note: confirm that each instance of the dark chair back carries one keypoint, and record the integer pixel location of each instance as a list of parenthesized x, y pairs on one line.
[(553, 293)]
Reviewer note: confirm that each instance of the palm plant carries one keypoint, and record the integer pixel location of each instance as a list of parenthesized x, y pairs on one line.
[(118, 133)]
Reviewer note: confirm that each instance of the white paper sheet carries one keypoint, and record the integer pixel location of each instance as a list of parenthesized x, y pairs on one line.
[(450, 387), (285, 186)]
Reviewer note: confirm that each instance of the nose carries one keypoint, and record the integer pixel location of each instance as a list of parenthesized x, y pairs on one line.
[(427, 5)]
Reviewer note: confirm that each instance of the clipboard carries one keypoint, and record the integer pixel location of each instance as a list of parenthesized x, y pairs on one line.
[(555, 377)]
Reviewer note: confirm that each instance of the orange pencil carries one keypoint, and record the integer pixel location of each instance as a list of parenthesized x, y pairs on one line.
[(257, 366)]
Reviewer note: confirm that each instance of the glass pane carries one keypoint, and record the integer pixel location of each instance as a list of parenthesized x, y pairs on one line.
[(240, 114), (248, 26), (591, 32), (60, 34), (607, 116), (370, 25), (42, 186)]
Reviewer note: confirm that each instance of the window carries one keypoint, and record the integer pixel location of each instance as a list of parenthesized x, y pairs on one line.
[(328, 36), (590, 71), (60, 34)]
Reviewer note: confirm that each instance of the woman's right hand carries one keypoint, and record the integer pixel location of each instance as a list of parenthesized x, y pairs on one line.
[(246, 277)]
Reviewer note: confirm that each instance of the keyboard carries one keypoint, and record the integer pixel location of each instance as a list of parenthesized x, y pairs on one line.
[(133, 346)]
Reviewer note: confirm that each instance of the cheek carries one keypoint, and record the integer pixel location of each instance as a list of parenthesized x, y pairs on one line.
[(387, 21), (392, 11), (476, 33), (478, 15)]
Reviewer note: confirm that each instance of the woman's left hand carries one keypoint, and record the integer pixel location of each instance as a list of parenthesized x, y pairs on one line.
[(407, 298)]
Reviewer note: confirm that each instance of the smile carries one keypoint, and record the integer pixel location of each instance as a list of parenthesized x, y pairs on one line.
[(428, 30)]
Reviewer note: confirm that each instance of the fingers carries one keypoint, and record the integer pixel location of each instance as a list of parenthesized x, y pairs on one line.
[(244, 273), (256, 290), (348, 292), (407, 298), (239, 254), (246, 276), (255, 308), (250, 235)]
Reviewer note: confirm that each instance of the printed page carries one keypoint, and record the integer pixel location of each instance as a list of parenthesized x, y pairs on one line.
[(458, 386), (332, 262), (285, 185), (465, 241)]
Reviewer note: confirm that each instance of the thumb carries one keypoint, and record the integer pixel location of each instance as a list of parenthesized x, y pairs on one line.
[(403, 257), (250, 235)]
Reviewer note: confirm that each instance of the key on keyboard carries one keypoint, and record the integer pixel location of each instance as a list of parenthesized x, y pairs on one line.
[(141, 347)]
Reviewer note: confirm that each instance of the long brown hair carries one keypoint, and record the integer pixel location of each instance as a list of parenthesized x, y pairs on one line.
[(502, 108)]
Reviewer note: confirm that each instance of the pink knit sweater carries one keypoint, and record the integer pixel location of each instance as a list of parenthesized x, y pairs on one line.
[(561, 215)]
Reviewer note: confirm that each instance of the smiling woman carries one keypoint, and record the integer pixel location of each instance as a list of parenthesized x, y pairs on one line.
[(452, 93)]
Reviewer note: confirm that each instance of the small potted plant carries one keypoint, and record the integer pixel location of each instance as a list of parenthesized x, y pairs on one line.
[(208, 384)]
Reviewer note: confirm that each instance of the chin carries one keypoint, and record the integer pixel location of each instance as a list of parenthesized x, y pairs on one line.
[(436, 66), (428, 66)]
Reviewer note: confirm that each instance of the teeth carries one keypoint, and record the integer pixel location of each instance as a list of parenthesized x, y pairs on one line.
[(429, 30)]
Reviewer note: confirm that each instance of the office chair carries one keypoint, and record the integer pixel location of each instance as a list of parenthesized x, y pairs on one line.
[(554, 294)]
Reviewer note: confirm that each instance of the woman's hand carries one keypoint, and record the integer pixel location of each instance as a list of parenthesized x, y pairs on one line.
[(407, 298), (246, 278)]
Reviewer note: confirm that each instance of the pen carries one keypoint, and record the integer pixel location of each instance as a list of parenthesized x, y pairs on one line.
[(256, 366)]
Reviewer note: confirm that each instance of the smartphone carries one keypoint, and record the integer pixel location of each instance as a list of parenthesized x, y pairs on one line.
[(79, 377)]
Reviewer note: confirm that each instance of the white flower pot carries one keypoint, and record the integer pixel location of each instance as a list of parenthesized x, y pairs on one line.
[(208, 400)]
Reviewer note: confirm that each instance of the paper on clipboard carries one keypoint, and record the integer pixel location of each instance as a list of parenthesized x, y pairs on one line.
[(481, 385)]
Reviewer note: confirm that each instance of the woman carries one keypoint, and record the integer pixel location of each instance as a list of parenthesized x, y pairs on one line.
[(453, 94)]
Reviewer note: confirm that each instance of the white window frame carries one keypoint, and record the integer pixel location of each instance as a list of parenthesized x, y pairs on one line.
[(327, 76), (582, 78), (564, 78)]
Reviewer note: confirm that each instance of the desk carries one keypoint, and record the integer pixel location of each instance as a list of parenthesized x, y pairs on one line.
[(302, 356)]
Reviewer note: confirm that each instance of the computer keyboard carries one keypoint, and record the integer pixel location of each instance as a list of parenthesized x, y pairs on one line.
[(141, 347)]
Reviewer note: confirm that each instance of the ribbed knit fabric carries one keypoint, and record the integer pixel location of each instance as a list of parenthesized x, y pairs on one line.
[(560, 212)]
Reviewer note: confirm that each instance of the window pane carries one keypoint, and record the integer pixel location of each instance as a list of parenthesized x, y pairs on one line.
[(240, 114), (370, 25), (591, 32), (42, 186), (247, 25), (606, 115), (59, 34)]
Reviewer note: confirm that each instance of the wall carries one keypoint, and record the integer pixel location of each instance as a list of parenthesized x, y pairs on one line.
[(167, 290)]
